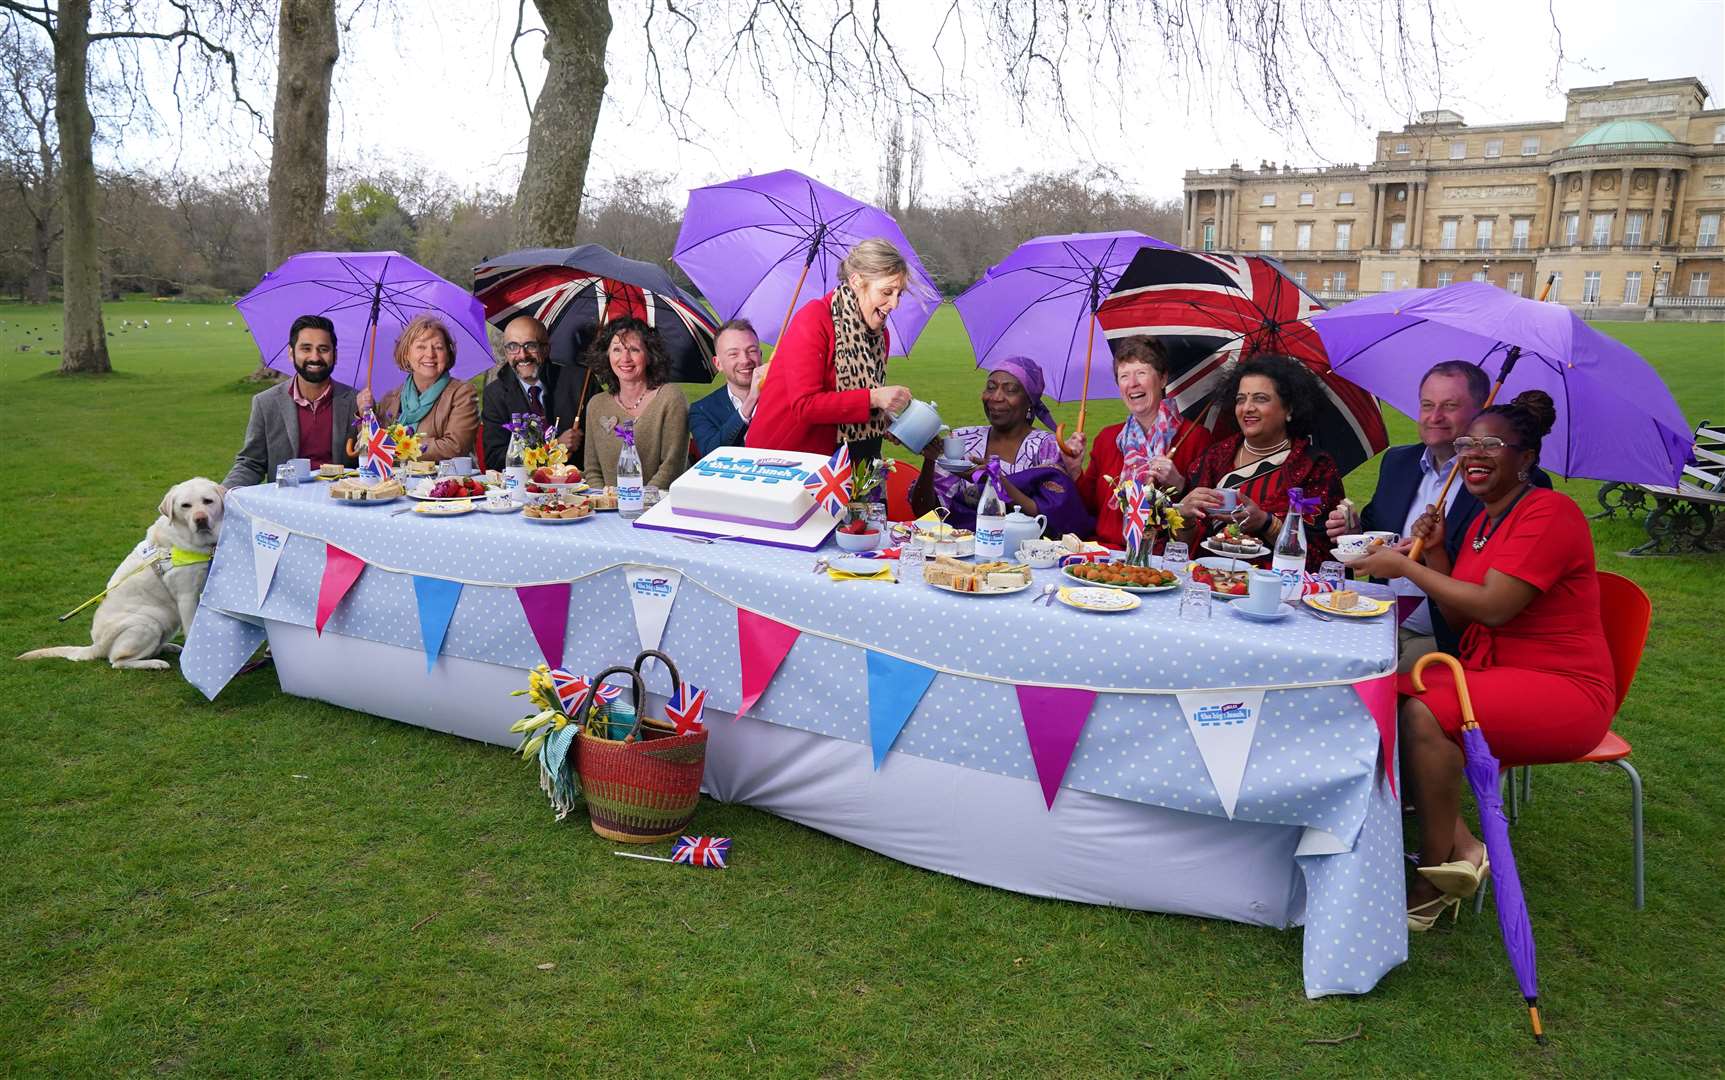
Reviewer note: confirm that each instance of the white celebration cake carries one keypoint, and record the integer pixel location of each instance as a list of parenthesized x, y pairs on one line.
[(748, 493)]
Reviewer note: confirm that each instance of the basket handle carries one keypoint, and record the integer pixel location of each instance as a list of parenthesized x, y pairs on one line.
[(640, 689), (655, 654)]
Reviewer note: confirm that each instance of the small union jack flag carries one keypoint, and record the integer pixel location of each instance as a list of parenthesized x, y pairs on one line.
[(380, 444), (571, 688), (686, 708), (1138, 509), (831, 483), (702, 851)]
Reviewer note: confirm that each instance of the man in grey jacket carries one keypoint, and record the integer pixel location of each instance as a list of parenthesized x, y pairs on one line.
[(309, 415)]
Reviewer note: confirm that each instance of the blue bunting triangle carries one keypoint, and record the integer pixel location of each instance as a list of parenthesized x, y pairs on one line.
[(894, 688), (437, 599)]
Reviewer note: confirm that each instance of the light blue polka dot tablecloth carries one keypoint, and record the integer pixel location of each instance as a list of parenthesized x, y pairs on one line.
[(1313, 762)]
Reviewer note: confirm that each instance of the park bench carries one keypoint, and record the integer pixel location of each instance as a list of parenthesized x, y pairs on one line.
[(1682, 518)]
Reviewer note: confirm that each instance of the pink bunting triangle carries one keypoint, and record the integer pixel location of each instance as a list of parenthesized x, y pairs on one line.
[(1407, 605), (340, 570), (1379, 697), (547, 611), (1054, 718), (762, 645)]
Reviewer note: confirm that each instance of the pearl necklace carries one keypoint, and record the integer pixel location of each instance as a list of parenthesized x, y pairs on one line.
[(1271, 452)]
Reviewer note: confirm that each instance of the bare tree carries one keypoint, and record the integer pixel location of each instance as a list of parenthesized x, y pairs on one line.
[(67, 27), (30, 149), (892, 168), (307, 46), (548, 202)]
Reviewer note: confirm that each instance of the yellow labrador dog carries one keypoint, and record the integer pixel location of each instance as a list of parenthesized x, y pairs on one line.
[(154, 593)]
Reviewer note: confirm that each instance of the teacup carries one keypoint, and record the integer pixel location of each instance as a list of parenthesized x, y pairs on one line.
[(460, 466), (1263, 592), (1351, 546), (1230, 499), (1386, 538), (1039, 554), (302, 466), (952, 448)]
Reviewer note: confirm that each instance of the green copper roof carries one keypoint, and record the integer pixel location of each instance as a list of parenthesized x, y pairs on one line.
[(1625, 131)]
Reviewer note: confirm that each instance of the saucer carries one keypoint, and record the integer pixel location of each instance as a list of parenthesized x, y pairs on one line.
[(1282, 611), (955, 466)]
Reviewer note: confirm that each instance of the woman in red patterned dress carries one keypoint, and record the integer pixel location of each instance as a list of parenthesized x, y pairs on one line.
[(1539, 671)]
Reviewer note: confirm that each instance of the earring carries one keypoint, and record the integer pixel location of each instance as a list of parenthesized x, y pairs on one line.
[(1522, 476)]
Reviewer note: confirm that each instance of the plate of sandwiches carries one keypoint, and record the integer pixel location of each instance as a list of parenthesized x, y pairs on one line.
[(366, 492), (998, 578)]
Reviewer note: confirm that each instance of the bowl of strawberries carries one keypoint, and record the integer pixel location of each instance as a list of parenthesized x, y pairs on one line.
[(858, 534)]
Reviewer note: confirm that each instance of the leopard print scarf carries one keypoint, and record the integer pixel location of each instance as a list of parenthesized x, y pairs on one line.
[(859, 355)]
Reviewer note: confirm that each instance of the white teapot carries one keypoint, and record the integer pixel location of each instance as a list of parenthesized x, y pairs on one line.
[(1021, 526)]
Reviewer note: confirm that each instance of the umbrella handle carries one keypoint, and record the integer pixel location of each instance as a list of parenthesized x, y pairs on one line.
[(1456, 670), (786, 325)]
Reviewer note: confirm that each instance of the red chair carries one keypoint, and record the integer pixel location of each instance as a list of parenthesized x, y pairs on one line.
[(479, 448), (1627, 613), (901, 476)]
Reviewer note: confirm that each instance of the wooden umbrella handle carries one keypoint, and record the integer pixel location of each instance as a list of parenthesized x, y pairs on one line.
[(786, 325), (1456, 670)]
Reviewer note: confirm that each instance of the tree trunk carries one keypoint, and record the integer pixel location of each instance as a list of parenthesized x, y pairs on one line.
[(308, 46), (548, 202), (41, 246), (85, 338)]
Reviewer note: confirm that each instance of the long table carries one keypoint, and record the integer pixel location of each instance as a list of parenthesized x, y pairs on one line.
[(1314, 837)]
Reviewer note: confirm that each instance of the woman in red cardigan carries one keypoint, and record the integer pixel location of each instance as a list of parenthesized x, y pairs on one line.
[(1153, 445), (826, 376)]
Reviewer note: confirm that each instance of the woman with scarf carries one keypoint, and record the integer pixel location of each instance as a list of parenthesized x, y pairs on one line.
[(443, 412), (1154, 445), (1274, 400), (826, 381), (1034, 476)]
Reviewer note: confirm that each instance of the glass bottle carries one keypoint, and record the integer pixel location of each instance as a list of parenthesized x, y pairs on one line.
[(1289, 559), (990, 517), (515, 461), (631, 491)]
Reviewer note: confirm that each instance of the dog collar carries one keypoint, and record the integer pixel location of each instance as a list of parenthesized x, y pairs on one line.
[(180, 556)]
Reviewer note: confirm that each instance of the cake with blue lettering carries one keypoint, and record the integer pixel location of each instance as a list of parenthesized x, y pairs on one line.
[(744, 486)]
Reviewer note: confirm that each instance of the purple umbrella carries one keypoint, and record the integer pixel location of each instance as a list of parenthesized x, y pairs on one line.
[(1040, 301), (359, 290), (1484, 776), (1615, 418), (759, 247)]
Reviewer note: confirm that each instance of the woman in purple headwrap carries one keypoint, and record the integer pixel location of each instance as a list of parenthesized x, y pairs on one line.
[(1037, 479)]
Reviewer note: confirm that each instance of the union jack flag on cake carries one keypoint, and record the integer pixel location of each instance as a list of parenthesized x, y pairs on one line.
[(831, 483), (702, 851)]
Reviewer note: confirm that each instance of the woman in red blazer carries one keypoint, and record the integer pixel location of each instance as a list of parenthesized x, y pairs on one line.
[(1162, 445), (825, 383)]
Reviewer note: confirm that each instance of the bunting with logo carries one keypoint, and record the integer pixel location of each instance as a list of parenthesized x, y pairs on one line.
[(547, 611), (894, 688), (1379, 698), (268, 539), (340, 570), (1223, 723), (762, 645), (652, 591), (436, 598), (1054, 718)]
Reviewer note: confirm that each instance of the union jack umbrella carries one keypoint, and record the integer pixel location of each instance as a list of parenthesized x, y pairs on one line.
[(574, 291), (380, 444), (1211, 310), (702, 851), (831, 483), (686, 708)]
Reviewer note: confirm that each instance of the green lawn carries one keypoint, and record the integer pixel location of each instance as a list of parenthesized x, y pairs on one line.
[(271, 886)]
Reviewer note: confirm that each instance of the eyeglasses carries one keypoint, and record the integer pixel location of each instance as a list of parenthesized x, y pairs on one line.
[(514, 349), (1489, 444)]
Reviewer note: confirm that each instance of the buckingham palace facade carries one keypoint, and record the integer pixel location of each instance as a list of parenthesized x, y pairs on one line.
[(1618, 203)]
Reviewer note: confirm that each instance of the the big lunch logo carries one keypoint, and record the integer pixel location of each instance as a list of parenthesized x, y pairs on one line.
[(1223, 715), (655, 587), (266, 539)]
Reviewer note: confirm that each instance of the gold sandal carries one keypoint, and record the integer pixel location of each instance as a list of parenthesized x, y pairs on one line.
[(1423, 917), (1459, 878)]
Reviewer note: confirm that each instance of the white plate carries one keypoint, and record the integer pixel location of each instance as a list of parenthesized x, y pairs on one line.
[(1066, 572), (1219, 564), (416, 492), (961, 465), (506, 508), (556, 521), (1282, 611), (856, 564), (1368, 607), (989, 592), (445, 508), (555, 489), (1209, 545), (365, 502), (1098, 599)]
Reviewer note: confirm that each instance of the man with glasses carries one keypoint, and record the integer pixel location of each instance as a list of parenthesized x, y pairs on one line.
[(1409, 479), (527, 382)]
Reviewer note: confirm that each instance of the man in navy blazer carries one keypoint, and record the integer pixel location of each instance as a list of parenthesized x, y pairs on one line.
[(1409, 479), (722, 417)]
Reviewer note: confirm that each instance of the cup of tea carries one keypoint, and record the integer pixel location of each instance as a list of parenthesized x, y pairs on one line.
[(952, 448), (1230, 499), (1263, 592)]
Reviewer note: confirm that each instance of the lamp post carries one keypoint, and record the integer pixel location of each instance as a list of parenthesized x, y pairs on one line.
[(1652, 293)]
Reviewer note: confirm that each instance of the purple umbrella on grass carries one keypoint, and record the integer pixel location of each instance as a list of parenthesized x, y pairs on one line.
[(1615, 418), (1041, 300), (759, 247), (370, 296)]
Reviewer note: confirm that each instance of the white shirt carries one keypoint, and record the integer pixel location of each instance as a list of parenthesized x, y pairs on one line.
[(736, 402), (1432, 477)]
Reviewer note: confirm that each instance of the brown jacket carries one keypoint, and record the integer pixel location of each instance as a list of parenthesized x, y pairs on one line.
[(448, 429)]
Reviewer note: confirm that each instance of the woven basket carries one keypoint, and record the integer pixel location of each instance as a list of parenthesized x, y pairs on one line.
[(642, 789)]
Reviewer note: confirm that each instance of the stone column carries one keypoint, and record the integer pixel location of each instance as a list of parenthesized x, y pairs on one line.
[(1583, 228), (1378, 192), (1556, 214), (1659, 207), (1416, 215), (1678, 199), (1619, 220)]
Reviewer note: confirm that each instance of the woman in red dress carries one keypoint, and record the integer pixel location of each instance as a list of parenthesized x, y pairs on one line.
[(1539, 671), (1154, 444), (1274, 399)]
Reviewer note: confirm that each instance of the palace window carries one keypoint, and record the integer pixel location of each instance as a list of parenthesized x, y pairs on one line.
[(1571, 229), (1632, 287), (1398, 235), (1601, 231), (1345, 198), (1444, 277), (1662, 283), (1387, 281), (1308, 198), (1530, 146), (1209, 236), (1556, 295), (1479, 277), (1300, 278), (1450, 227), (1303, 236), (1339, 281), (1708, 233), (1517, 282), (1344, 235), (1664, 227), (1269, 199), (1493, 148), (1457, 150), (1518, 230), (1633, 227), (1590, 287), (1266, 237), (1719, 135), (1699, 281), (1482, 234), (1401, 148)]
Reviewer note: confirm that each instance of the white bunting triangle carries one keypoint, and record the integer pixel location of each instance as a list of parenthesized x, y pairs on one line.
[(652, 590), (1223, 723), (268, 540)]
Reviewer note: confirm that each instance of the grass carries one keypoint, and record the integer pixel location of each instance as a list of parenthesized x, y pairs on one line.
[(269, 886)]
